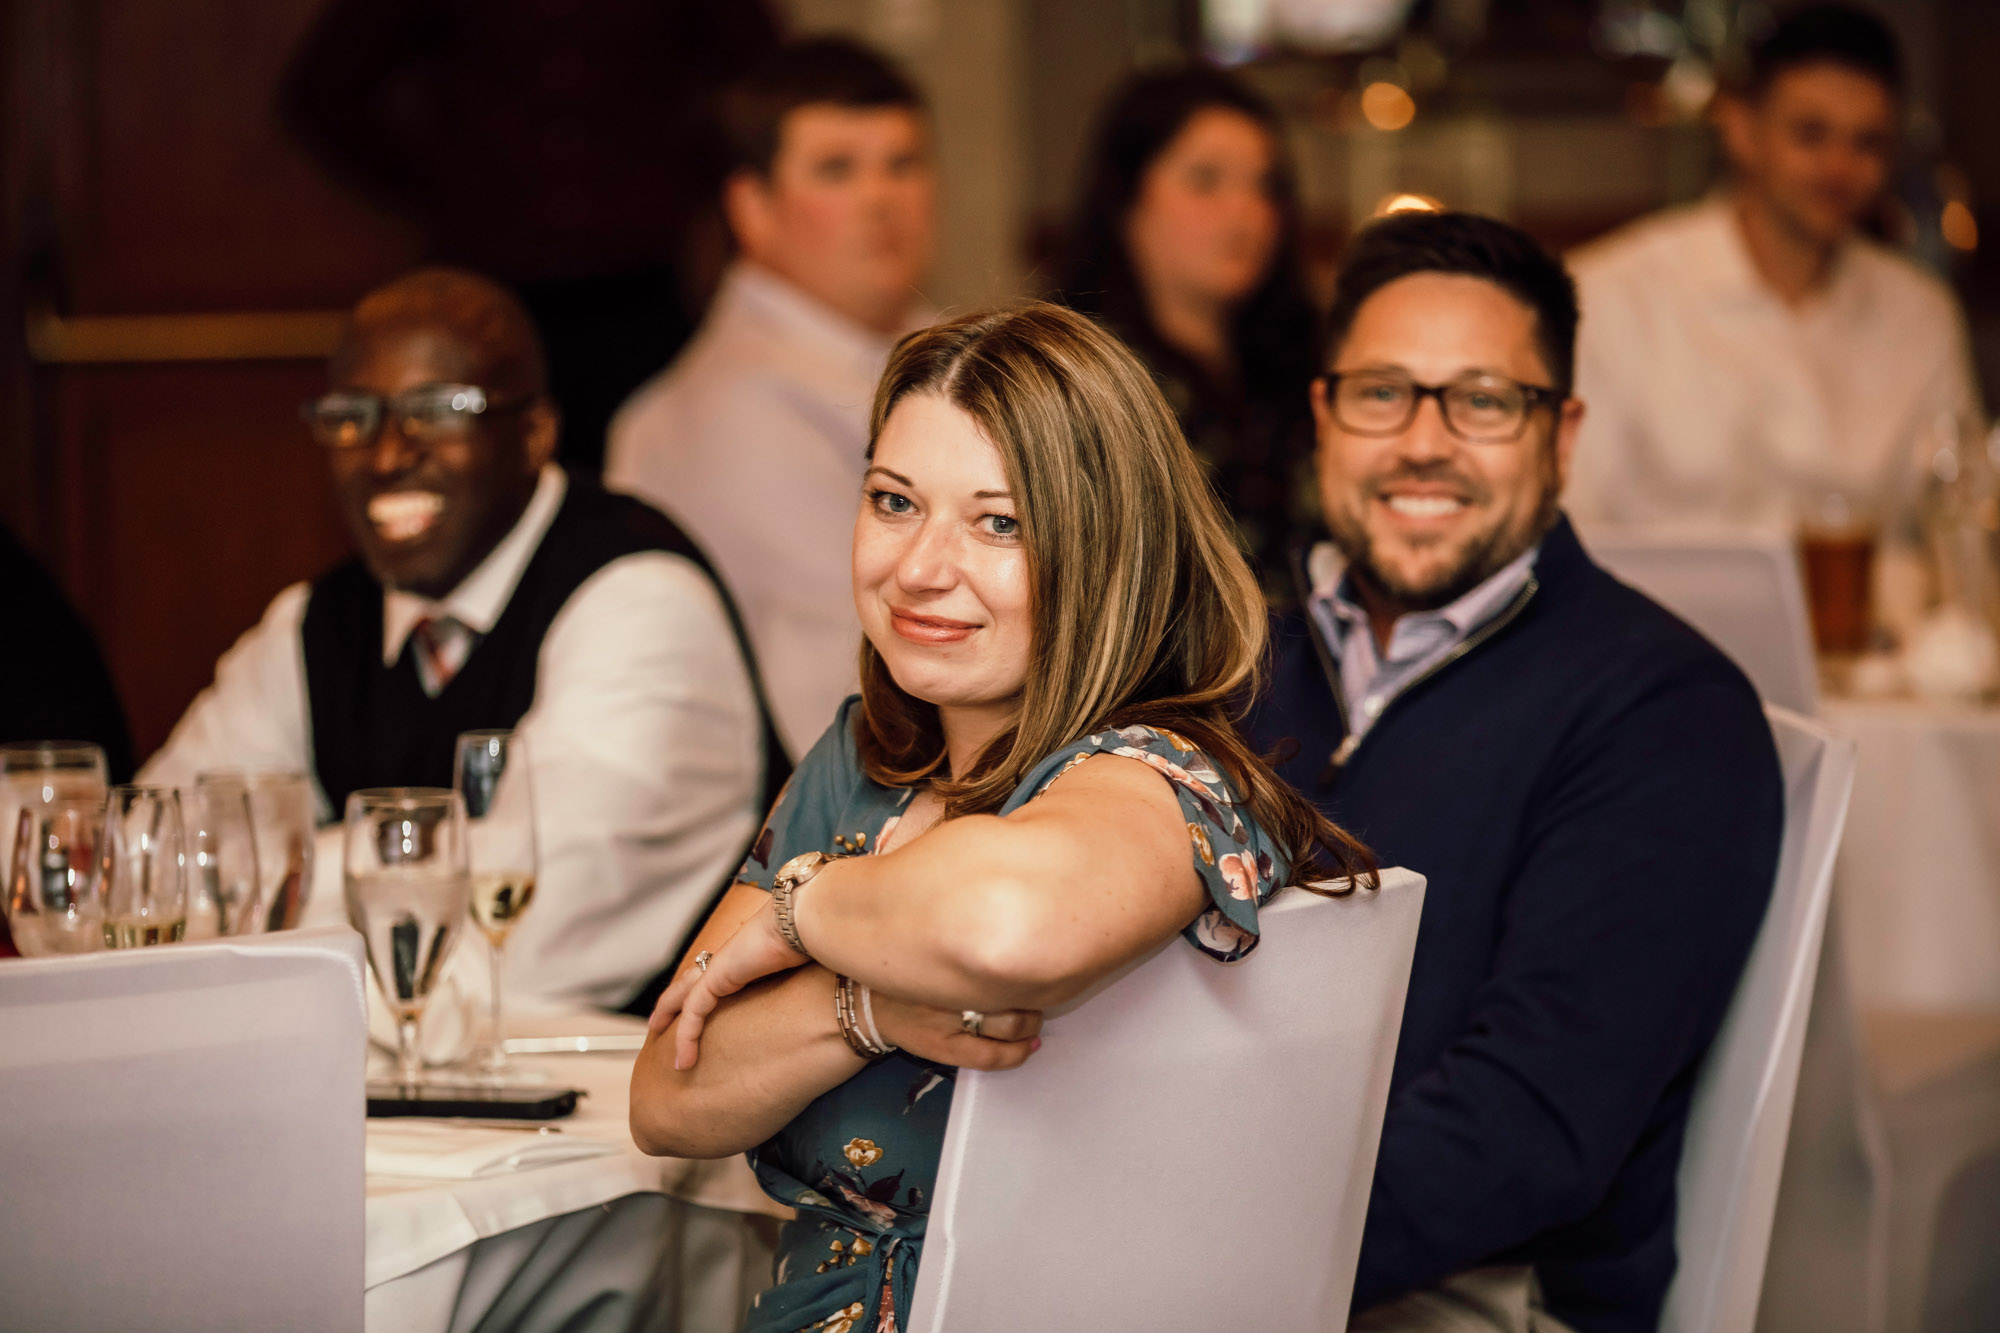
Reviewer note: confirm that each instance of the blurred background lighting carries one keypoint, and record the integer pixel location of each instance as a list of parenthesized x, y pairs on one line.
[(1960, 228), (1408, 203), (1387, 107)]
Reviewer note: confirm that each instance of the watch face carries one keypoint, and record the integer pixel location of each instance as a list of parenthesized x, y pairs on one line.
[(799, 866)]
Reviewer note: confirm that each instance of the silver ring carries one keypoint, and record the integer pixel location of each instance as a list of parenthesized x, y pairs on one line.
[(702, 960), (970, 1021)]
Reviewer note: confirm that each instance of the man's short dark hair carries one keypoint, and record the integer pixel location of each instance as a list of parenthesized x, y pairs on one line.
[(835, 70), (1462, 243), (1835, 34)]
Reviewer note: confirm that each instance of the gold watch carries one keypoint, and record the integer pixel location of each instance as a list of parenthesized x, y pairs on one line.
[(786, 883)]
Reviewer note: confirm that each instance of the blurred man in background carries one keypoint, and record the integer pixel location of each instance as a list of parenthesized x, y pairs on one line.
[(1752, 359), (495, 591), (753, 439)]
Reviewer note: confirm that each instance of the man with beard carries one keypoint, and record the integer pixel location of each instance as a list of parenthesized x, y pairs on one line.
[(493, 590), (1589, 787)]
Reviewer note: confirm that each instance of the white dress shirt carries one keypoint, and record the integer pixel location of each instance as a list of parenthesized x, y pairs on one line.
[(1710, 402), (754, 441), (642, 737)]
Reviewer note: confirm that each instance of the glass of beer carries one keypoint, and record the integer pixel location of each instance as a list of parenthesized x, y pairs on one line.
[(1837, 551)]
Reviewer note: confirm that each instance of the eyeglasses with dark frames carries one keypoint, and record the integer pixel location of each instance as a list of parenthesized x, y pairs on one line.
[(1479, 409), (351, 419)]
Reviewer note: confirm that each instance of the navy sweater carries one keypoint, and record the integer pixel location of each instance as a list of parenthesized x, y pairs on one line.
[(1592, 792)]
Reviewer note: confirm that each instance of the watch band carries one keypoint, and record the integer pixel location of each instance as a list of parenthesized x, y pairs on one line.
[(784, 885)]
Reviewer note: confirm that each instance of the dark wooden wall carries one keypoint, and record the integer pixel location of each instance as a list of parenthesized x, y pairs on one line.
[(158, 464)]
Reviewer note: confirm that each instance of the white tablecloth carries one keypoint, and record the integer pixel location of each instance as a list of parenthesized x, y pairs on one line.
[(433, 1244), (1918, 880)]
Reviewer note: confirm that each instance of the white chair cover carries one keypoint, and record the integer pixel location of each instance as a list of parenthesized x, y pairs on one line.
[(1743, 592), (1742, 1109), (1192, 1148), (181, 1136)]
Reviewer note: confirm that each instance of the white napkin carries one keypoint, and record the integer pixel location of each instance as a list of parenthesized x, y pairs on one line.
[(454, 1152)]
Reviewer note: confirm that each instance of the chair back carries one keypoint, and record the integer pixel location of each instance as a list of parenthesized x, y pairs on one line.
[(1742, 1111), (1743, 592), (181, 1136), (1193, 1145)]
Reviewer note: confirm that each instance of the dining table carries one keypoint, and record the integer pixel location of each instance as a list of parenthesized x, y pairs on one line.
[(500, 1224), (1918, 877)]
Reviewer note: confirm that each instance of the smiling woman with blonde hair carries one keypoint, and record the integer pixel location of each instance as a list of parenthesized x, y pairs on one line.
[(1039, 783)]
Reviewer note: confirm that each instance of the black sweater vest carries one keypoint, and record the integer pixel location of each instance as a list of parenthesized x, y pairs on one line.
[(373, 726)]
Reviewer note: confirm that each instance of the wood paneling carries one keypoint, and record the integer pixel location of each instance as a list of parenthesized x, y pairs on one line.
[(191, 496), (174, 491)]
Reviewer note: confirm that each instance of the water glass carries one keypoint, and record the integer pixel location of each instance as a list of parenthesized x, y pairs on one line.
[(145, 867), (55, 888), (404, 877), (41, 771), (225, 889), (282, 818)]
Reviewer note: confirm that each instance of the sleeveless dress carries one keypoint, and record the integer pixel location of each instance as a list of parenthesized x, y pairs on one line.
[(859, 1163)]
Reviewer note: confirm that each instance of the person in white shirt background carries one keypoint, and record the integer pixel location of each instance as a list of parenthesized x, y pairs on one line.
[(493, 590), (753, 439), (1753, 361)]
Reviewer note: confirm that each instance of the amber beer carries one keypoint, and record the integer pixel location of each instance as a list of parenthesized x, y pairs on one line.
[(1840, 570)]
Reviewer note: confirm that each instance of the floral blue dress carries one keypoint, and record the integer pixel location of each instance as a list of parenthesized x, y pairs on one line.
[(859, 1164)]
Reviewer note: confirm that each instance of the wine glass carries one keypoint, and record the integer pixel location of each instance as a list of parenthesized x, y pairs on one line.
[(55, 890), (41, 771), (225, 887), (280, 803), (145, 867), (491, 773), (404, 876)]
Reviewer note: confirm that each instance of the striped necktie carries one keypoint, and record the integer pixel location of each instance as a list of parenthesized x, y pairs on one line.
[(443, 644)]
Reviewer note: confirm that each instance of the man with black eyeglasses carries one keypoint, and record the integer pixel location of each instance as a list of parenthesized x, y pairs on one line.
[(1588, 785), (493, 590)]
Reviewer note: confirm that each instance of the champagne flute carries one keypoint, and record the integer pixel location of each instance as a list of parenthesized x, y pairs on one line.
[(145, 867), (282, 821), (223, 897), (55, 889), (404, 877), (491, 773)]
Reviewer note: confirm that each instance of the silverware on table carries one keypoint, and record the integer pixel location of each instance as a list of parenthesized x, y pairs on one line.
[(626, 1041), (485, 1122)]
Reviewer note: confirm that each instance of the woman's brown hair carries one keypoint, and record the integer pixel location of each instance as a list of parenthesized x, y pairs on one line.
[(1143, 609)]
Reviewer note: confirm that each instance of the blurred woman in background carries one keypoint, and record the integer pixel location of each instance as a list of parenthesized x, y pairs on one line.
[(1185, 243)]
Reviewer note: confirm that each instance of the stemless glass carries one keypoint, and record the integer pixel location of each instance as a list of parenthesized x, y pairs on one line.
[(55, 890), (282, 821), (491, 773), (404, 876), (225, 888), (145, 867), (42, 771)]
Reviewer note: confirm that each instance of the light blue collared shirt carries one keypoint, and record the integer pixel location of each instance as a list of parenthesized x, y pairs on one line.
[(1419, 640)]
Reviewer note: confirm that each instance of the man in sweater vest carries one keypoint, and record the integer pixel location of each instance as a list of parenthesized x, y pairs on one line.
[(495, 591), (1589, 787)]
